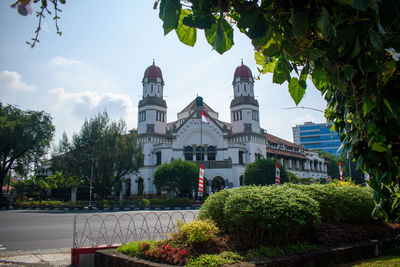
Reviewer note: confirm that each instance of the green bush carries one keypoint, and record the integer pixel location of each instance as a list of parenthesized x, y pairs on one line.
[(262, 172), (213, 208), (278, 251), (170, 202), (144, 202), (198, 230), (133, 249), (275, 213), (214, 260), (341, 204)]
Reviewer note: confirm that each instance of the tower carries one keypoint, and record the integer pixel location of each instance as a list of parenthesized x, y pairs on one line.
[(152, 109), (244, 107)]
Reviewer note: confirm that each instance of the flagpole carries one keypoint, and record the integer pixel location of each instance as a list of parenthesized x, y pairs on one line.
[(201, 137)]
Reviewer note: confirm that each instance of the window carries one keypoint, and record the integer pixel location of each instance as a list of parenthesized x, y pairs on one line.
[(211, 152), (244, 86), (199, 153), (158, 88), (237, 115), (255, 115), (152, 88), (160, 116), (241, 154), (158, 158), (142, 116), (188, 151)]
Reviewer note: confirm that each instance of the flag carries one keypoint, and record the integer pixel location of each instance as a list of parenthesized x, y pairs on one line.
[(340, 171), (277, 174), (205, 118), (201, 181)]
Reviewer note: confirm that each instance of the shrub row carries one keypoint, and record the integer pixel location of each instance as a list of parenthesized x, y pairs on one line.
[(341, 204), (274, 213), (103, 203), (278, 214)]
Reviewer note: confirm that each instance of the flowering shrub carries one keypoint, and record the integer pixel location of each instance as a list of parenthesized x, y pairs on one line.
[(197, 231), (167, 254)]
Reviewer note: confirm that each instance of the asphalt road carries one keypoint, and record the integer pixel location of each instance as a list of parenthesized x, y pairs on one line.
[(33, 229)]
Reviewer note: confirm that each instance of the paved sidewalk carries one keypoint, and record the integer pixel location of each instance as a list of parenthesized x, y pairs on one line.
[(41, 257)]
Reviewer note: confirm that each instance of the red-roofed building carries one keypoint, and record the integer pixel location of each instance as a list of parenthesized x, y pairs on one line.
[(295, 158)]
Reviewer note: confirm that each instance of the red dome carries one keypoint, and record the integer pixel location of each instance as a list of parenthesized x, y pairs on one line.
[(243, 72), (153, 72)]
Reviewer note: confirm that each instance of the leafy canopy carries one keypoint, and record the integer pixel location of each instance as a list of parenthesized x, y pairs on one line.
[(178, 176), (25, 137), (262, 172), (102, 150)]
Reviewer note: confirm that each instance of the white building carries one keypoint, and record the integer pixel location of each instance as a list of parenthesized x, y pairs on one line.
[(223, 148)]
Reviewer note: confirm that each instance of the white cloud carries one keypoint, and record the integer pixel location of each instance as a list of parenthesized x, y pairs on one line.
[(62, 61), (11, 81), (306, 118), (70, 109)]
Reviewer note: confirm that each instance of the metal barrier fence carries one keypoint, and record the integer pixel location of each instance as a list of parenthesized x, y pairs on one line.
[(105, 230)]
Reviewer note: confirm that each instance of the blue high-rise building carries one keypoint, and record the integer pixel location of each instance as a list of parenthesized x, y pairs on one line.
[(317, 136)]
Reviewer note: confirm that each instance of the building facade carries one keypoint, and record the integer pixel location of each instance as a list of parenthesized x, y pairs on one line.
[(317, 136), (223, 148), (296, 159)]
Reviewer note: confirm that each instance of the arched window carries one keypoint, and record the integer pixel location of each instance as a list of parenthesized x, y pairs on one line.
[(152, 88), (188, 151), (211, 151)]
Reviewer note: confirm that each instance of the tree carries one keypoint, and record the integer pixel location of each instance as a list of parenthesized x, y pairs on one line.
[(179, 176), (356, 174), (102, 153), (25, 137), (262, 172)]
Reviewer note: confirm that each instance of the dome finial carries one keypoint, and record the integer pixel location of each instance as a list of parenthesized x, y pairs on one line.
[(154, 61), (242, 61)]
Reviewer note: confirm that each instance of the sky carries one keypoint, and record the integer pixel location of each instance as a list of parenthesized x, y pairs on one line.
[(99, 61)]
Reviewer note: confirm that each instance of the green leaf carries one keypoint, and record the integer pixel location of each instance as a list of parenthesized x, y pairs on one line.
[(300, 23), (314, 53), (186, 34), (253, 23), (376, 40), (387, 105), (170, 11), (220, 36), (296, 90), (320, 79), (379, 147), (361, 4), (348, 71), (281, 71), (260, 59), (325, 25), (62, 1), (368, 104), (357, 48)]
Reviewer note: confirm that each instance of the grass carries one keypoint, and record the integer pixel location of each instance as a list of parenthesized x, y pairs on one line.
[(387, 261)]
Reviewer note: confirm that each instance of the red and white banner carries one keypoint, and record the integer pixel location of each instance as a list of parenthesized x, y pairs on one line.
[(205, 118), (201, 181), (277, 174), (340, 171)]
